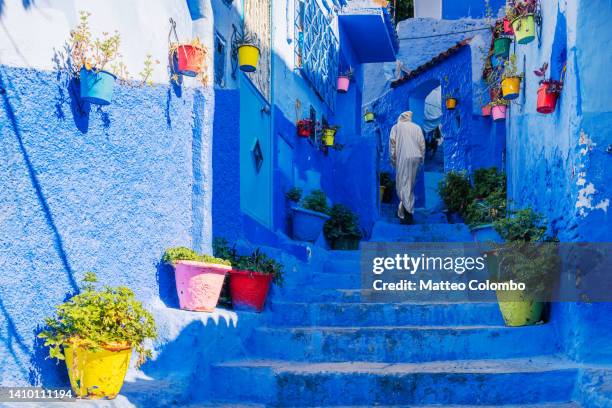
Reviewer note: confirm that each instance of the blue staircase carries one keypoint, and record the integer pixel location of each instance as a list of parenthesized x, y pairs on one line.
[(324, 345)]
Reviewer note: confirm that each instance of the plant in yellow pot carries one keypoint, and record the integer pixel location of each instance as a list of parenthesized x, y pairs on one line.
[(525, 258), (248, 52), (95, 332), (511, 79)]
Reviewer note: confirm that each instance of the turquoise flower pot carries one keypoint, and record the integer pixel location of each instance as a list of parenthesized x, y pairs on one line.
[(307, 225), (97, 87)]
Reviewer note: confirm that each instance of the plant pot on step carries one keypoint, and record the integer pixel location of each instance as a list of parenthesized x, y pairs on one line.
[(524, 29), (248, 57), (343, 83), (451, 103), (97, 86), (307, 224), (97, 374), (547, 100), (249, 290), (498, 112), (199, 284), (454, 218), (511, 88), (517, 310), (190, 59), (501, 47)]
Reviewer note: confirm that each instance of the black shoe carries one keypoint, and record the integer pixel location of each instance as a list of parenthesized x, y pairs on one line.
[(409, 218)]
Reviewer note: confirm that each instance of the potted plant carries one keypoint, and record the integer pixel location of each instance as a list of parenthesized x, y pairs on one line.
[(199, 278), (369, 116), (96, 63), (309, 218), (305, 128), (344, 81), (548, 92), (455, 191), (511, 79), (501, 42), (294, 195), (499, 108), (450, 102), (189, 57), (489, 204), (524, 258), (329, 135), (521, 13), (248, 52), (342, 228), (486, 110), (95, 332), (250, 280), (507, 26)]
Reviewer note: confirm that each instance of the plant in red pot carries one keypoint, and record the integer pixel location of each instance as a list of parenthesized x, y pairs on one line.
[(305, 128), (548, 92), (188, 59), (199, 278), (250, 280)]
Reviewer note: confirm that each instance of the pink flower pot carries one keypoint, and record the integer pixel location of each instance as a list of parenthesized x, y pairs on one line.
[(199, 284), (486, 110), (343, 84), (498, 112)]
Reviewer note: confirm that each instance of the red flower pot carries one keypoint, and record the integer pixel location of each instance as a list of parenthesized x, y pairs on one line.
[(508, 27), (486, 110), (305, 128), (547, 101), (190, 59), (249, 290)]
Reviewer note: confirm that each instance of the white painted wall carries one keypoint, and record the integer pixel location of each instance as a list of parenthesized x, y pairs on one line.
[(428, 8), (29, 36)]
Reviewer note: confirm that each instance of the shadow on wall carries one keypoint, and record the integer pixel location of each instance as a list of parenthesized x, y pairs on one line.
[(25, 3)]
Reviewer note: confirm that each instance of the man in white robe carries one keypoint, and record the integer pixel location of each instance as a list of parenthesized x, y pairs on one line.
[(407, 151)]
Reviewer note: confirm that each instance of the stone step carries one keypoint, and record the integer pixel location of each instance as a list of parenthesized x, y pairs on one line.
[(478, 382), (402, 343), (385, 231), (336, 280), (222, 404), (375, 314)]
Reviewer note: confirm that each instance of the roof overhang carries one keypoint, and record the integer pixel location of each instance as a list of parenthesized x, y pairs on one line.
[(371, 32)]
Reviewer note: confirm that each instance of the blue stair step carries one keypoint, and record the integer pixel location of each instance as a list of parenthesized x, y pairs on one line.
[(345, 266), (385, 231), (402, 343), (477, 382), (335, 280), (374, 314)]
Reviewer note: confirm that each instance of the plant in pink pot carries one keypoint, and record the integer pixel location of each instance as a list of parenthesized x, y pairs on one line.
[(199, 278)]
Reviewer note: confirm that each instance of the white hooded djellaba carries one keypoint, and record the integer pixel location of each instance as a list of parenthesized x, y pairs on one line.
[(407, 150)]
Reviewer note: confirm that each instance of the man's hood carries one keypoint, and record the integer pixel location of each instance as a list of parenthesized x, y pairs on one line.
[(405, 117)]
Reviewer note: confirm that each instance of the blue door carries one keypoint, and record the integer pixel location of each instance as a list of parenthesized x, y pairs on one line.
[(255, 154)]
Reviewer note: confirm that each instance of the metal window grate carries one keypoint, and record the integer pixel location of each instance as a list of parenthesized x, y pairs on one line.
[(316, 49), (220, 57)]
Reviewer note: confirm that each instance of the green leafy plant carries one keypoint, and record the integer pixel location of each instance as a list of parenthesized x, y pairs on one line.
[(247, 38), (500, 102), (343, 224), (455, 191), (487, 181), (316, 201), (172, 255), (256, 261), (294, 194), (520, 8), (95, 319), (511, 69), (485, 211), (523, 225)]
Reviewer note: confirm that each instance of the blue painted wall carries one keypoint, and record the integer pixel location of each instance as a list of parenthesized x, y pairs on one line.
[(453, 9), (91, 189)]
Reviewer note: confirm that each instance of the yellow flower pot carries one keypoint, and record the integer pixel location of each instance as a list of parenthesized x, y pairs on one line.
[(328, 137), (511, 88), (248, 57), (518, 311), (451, 103), (524, 29), (382, 193), (369, 117), (97, 374)]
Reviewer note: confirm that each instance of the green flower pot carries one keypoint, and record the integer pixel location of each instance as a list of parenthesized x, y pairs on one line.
[(501, 47)]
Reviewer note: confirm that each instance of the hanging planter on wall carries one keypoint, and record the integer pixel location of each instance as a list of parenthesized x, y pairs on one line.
[(343, 84), (498, 110), (190, 59), (248, 51), (524, 29), (329, 135), (501, 47), (450, 103), (369, 117), (511, 82), (305, 128), (97, 86), (486, 110), (507, 26), (548, 93)]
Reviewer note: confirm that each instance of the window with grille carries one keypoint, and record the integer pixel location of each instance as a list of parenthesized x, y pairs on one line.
[(316, 49), (220, 57)]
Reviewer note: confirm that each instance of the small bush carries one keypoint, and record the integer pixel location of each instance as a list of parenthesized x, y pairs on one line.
[(455, 191), (294, 194), (316, 201), (186, 254)]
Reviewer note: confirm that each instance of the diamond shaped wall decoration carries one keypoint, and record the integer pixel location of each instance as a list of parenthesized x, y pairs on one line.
[(258, 157)]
